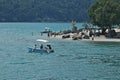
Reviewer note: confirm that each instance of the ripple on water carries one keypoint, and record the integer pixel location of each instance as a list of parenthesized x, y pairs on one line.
[(64, 78), (1, 49), (105, 59), (20, 63), (73, 57)]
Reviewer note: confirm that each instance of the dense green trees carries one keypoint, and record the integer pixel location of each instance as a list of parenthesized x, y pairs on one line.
[(105, 13), (44, 10)]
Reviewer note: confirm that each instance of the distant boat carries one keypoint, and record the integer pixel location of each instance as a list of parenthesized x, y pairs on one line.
[(43, 50), (47, 30)]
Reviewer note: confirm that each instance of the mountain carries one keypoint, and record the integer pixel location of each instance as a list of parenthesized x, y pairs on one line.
[(44, 10)]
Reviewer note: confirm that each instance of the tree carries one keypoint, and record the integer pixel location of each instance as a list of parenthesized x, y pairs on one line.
[(44, 10), (105, 13)]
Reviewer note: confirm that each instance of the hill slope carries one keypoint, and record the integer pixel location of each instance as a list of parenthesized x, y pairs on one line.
[(44, 10)]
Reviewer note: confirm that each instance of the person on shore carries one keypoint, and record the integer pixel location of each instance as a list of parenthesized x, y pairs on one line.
[(54, 34), (48, 34), (92, 37)]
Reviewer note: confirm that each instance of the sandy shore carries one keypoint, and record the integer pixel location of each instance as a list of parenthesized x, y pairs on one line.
[(104, 39), (96, 39)]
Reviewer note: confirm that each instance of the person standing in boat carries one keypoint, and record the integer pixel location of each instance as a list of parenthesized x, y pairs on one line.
[(49, 46), (41, 47), (35, 46)]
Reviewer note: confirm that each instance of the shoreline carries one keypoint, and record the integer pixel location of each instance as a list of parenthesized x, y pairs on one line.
[(96, 39), (87, 34)]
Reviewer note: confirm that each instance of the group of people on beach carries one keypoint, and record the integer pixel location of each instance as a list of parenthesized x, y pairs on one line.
[(48, 46)]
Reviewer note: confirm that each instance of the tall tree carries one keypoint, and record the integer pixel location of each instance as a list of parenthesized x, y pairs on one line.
[(105, 13)]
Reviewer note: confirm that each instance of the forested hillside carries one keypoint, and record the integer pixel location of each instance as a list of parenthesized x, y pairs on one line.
[(44, 10)]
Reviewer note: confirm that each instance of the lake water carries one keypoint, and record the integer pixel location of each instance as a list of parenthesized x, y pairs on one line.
[(72, 60)]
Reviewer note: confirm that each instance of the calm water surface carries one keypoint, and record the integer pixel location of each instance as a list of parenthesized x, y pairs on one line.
[(72, 60)]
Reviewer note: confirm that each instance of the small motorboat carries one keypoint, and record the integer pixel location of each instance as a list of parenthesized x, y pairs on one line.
[(32, 50), (47, 49)]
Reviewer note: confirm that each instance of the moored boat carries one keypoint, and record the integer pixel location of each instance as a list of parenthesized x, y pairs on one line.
[(47, 30)]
